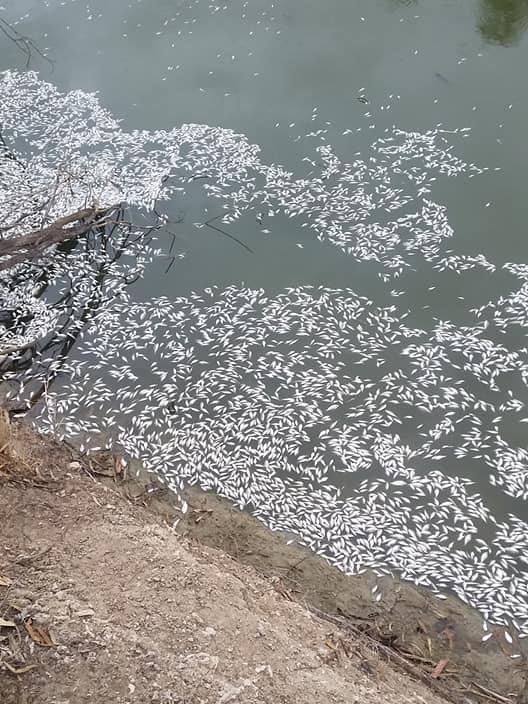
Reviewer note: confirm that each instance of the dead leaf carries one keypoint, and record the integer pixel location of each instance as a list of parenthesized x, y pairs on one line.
[(439, 668), (5, 581), (17, 670), (38, 635), (7, 624)]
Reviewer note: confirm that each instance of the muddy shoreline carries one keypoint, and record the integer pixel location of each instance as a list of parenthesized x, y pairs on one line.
[(408, 620), (100, 601), (408, 625)]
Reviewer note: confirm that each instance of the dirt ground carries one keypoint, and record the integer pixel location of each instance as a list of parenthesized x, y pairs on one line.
[(101, 600)]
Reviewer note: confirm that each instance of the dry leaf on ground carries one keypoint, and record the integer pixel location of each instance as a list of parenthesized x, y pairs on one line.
[(439, 668), (38, 635)]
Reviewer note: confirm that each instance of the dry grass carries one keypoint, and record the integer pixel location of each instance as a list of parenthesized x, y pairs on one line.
[(22, 464), (19, 459)]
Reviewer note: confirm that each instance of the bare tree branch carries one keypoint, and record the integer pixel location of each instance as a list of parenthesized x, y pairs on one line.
[(24, 247), (25, 44)]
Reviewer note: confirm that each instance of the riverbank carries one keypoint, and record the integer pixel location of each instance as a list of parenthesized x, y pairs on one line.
[(103, 599)]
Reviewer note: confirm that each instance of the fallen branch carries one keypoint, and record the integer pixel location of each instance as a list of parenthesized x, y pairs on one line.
[(32, 245)]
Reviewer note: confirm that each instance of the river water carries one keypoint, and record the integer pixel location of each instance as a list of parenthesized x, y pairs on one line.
[(330, 331)]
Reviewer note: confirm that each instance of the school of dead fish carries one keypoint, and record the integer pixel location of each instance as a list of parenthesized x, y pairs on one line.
[(327, 415)]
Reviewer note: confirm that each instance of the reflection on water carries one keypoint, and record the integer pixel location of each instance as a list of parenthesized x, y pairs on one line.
[(499, 21), (503, 21)]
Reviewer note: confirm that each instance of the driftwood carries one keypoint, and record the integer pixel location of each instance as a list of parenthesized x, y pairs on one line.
[(15, 250)]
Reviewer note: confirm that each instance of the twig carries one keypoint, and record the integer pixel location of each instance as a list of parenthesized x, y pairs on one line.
[(17, 670), (23, 43), (490, 693), (227, 234), (296, 564), (169, 266), (390, 654)]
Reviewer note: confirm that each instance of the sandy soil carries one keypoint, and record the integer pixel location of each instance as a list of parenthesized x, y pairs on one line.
[(101, 601)]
